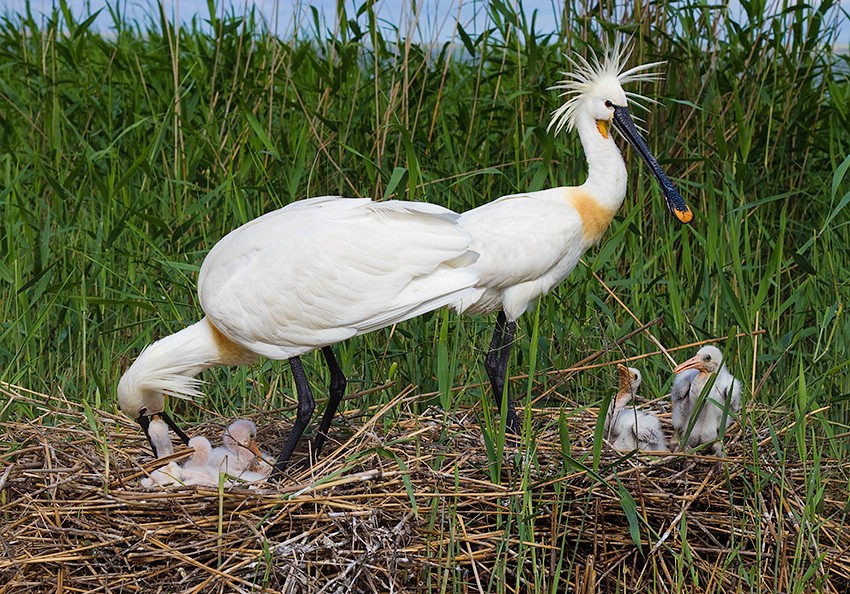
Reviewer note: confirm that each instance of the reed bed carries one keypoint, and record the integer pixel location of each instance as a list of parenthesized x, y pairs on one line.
[(403, 511)]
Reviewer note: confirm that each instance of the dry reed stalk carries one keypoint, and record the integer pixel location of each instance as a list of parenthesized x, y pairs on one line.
[(75, 519)]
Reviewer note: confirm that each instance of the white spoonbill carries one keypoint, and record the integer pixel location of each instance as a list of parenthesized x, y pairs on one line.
[(301, 278), (239, 451), (626, 427), (529, 243), (701, 424)]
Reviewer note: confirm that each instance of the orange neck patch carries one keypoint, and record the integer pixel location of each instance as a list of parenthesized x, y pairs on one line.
[(595, 218), (229, 352), (602, 126)]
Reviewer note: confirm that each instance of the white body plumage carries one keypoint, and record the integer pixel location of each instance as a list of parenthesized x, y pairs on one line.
[(626, 427), (311, 274), (722, 400), (197, 469), (322, 270), (239, 454)]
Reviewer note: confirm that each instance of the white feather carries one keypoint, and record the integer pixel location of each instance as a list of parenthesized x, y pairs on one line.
[(309, 275), (298, 279), (171, 473), (721, 401), (627, 427), (197, 470), (235, 458), (587, 78), (530, 242), (166, 366)]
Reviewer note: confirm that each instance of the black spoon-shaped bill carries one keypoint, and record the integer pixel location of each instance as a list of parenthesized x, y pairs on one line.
[(677, 205)]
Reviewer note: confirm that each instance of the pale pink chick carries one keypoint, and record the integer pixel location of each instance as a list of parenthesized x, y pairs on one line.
[(171, 473)]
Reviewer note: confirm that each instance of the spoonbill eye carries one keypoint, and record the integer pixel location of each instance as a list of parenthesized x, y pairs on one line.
[(608, 104)]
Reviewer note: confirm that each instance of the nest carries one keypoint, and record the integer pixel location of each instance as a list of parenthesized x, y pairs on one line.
[(408, 503)]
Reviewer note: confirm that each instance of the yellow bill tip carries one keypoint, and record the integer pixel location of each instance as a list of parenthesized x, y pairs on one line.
[(685, 216)]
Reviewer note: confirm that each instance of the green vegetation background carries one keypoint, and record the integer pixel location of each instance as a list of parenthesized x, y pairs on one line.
[(125, 157)]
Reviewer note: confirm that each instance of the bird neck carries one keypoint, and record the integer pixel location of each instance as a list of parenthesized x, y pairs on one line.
[(699, 383), (193, 348), (606, 169), (168, 365)]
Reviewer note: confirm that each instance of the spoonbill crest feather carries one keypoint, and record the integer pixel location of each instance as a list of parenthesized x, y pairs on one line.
[(599, 79)]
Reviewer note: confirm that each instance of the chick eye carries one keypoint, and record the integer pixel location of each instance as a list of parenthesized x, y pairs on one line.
[(609, 104)]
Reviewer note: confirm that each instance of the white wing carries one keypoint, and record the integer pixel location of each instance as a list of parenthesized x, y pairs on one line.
[(682, 384), (680, 397), (623, 430), (322, 270), (731, 388)]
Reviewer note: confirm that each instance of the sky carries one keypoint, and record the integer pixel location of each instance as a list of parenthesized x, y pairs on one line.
[(435, 23), (436, 19)]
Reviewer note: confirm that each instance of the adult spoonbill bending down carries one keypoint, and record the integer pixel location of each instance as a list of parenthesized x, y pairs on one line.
[(701, 424), (628, 428), (529, 243), (301, 278)]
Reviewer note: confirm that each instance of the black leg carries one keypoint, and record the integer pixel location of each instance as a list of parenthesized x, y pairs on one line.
[(496, 365), (335, 395), (302, 418)]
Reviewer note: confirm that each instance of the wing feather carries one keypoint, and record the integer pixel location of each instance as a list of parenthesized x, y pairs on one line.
[(307, 276)]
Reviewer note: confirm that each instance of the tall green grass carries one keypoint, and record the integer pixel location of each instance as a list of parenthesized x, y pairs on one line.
[(125, 157)]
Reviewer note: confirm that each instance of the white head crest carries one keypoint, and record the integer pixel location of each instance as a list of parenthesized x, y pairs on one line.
[(599, 79)]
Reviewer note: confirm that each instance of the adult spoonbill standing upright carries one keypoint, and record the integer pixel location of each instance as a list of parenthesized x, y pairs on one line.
[(529, 243), (301, 278)]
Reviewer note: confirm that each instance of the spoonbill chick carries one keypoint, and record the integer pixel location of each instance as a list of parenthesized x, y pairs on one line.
[(246, 477), (197, 470), (171, 473), (626, 427), (530, 242), (699, 423), (239, 452), (305, 277), (160, 438)]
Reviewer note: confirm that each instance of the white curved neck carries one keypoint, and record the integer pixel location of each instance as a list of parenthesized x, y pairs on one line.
[(187, 352), (169, 365), (606, 169)]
